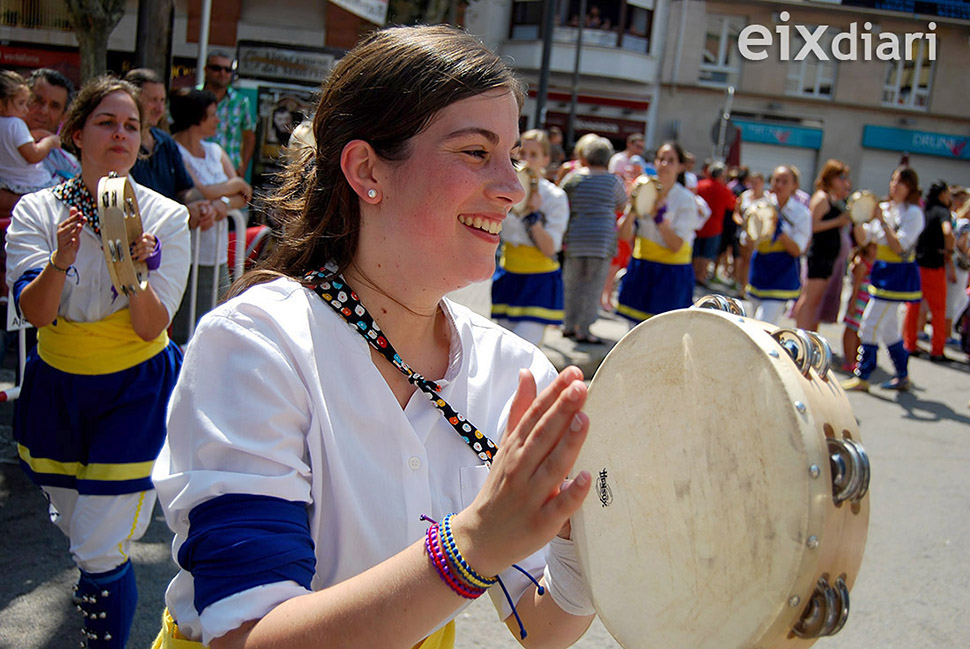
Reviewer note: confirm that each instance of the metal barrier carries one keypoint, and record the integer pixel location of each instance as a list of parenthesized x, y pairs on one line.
[(239, 223)]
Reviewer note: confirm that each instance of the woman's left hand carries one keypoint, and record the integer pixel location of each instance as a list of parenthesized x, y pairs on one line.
[(142, 249)]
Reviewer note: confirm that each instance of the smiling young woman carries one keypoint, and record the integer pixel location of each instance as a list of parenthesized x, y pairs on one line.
[(91, 416), (303, 422)]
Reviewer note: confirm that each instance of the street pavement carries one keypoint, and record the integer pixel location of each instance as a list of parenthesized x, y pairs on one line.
[(911, 592)]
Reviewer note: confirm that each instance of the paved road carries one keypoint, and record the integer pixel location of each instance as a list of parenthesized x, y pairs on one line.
[(912, 591)]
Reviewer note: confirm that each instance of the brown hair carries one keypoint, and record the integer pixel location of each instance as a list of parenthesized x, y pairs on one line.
[(90, 97), (11, 84), (384, 91), (908, 177), (830, 170)]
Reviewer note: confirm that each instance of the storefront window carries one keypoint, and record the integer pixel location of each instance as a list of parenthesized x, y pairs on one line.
[(721, 65), (908, 81), (607, 23), (811, 77)]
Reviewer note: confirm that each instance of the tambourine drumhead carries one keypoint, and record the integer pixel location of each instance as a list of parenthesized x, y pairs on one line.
[(711, 516), (860, 205), (646, 190), (759, 220), (120, 227), (530, 183)]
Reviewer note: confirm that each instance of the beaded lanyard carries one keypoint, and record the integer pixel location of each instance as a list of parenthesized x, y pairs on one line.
[(345, 302), (75, 194)]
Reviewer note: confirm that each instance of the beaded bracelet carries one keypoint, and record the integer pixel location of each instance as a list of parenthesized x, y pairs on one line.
[(433, 548), (451, 549)]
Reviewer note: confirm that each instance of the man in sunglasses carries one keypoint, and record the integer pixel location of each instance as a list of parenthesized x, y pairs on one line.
[(236, 132)]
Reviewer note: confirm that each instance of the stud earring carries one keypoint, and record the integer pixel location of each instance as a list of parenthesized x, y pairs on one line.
[(371, 193)]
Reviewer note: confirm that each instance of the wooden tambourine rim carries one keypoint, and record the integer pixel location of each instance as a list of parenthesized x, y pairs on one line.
[(529, 180), (796, 538), (125, 273), (644, 194), (861, 205)]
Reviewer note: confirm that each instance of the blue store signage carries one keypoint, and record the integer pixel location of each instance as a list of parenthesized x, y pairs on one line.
[(779, 134), (956, 147)]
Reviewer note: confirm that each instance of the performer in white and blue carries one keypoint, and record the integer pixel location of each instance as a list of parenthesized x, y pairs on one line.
[(90, 419), (527, 291), (775, 272), (895, 228), (659, 277)]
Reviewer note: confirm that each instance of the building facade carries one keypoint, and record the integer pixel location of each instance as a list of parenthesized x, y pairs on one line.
[(804, 102)]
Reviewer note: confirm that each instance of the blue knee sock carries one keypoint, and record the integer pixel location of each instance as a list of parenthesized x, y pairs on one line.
[(107, 601), (866, 361), (900, 358)]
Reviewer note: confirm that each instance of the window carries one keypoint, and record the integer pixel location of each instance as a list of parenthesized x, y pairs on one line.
[(908, 81), (608, 23), (811, 77), (721, 63)]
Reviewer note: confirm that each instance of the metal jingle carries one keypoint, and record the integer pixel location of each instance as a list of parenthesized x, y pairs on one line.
[(820, 615), (712, 301), (735, 307), (846, 469), (796, 344), (822, 356), (842, 594), (112, 251), (863, 468), (130, 208)]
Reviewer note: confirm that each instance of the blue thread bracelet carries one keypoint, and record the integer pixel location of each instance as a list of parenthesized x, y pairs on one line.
[(451, 548), (70, 271)]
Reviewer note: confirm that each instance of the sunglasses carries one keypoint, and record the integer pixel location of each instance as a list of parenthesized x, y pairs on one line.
[(220, 68)]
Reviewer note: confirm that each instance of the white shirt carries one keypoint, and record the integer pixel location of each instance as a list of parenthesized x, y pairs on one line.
[(14, 170), (905, 219), (796, 221), (32, 237), (555, 206), (279, 396), (208, 170), (682, 215)]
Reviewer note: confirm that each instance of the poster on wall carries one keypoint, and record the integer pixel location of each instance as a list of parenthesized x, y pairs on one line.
[(372, 10), (280, 111)]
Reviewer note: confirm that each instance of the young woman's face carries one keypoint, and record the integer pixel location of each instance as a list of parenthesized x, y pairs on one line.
[(531, 153), (667, 163), (782, 184), (111, 135), (153, 102), (444, 205), (16, 106), (209, 123), (898, 191), (841, 185), (758, 185)]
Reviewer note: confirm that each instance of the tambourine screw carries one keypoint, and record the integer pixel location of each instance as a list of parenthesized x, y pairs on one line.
[(772, 353), (800, 407), (812, 542), (814, 471), (794, 601)]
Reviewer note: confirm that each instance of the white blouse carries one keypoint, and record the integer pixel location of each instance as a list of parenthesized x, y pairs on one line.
[(32, 237), (208, 170), (299, 411)]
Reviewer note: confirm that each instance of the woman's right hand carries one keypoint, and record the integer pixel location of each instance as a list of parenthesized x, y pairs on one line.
[(525, 502), (68, 239)]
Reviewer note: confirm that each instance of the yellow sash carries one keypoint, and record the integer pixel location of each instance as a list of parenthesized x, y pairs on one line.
[(649, 250), (169, 637), (102, 347), (771, 246), (526, 260), (885, 253)]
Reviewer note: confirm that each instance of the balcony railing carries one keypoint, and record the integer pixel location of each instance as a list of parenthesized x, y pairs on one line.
[(35, 14)]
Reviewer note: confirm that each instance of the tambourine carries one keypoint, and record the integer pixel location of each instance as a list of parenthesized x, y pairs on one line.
[(644, 194), (120, 228), (760, 219), (860, 206), (729, 506), (529, 180)]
